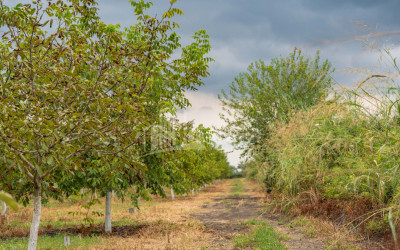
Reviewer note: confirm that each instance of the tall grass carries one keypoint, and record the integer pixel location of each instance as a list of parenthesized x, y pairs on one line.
[(347, 148), (339, 150)]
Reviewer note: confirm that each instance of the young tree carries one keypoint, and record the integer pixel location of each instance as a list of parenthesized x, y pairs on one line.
[(50, 77), (266, 93), (72, 86), (163, 82)]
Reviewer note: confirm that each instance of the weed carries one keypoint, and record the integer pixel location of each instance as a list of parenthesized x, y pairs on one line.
[(237, 188), (263, 236), (300, 222), (48, 242), (228, 202)]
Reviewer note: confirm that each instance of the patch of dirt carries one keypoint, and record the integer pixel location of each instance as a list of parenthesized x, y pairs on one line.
[(225, 217)]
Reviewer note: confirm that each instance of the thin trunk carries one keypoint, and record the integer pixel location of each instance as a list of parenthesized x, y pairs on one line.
[(108, 213), (3, 212), (138, 204), (37, 207), (172, 194)]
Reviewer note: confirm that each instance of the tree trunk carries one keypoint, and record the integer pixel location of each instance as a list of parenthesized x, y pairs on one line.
[(3, 212), (172, 194), (108, 212), (138, 203), (37, 207)]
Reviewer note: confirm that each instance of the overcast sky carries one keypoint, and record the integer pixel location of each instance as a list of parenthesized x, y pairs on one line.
[(243, 31)]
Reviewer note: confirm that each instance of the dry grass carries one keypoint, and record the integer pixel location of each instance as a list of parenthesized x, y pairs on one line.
[(183, 234), (335, 236), (168, 223)]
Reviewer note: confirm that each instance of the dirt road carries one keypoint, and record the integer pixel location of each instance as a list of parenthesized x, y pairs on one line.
[(226, 216)]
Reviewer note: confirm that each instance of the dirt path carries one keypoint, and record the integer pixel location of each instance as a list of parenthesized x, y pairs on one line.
[(225, 218)]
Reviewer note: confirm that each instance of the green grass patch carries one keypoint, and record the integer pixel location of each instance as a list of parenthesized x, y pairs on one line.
[(237, 187), (306, 225), (300, 222), (48, 242), (262, 236)]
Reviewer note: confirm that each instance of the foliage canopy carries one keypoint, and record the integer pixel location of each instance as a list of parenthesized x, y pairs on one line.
[(267, 93)]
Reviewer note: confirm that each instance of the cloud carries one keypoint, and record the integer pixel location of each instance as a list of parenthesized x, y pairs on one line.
[(245, 31), (205, 110), (208, 116)]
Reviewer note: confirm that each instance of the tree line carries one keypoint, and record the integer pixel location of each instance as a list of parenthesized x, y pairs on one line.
[(86, 104)]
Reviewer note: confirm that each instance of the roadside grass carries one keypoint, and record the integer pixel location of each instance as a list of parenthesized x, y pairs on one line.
[(48, 242), (336, 237), (237, 187), (59, 215), (262, 236)]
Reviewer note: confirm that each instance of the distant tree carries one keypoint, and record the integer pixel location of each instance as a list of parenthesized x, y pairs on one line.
[(266, 93), (196, 161)]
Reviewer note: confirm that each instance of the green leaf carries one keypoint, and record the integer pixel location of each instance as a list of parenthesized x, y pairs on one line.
[(9, 200)]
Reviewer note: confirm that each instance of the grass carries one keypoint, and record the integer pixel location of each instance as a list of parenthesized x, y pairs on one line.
[(167, 223), (262, 236), (335, 236), (48, 242), (300, 222), (237, 187), (228, 202)]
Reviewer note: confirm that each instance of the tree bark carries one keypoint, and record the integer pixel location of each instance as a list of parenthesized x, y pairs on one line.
[(139, 204), (37, 207), (3, 211), (172, 194), (107, 225)]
